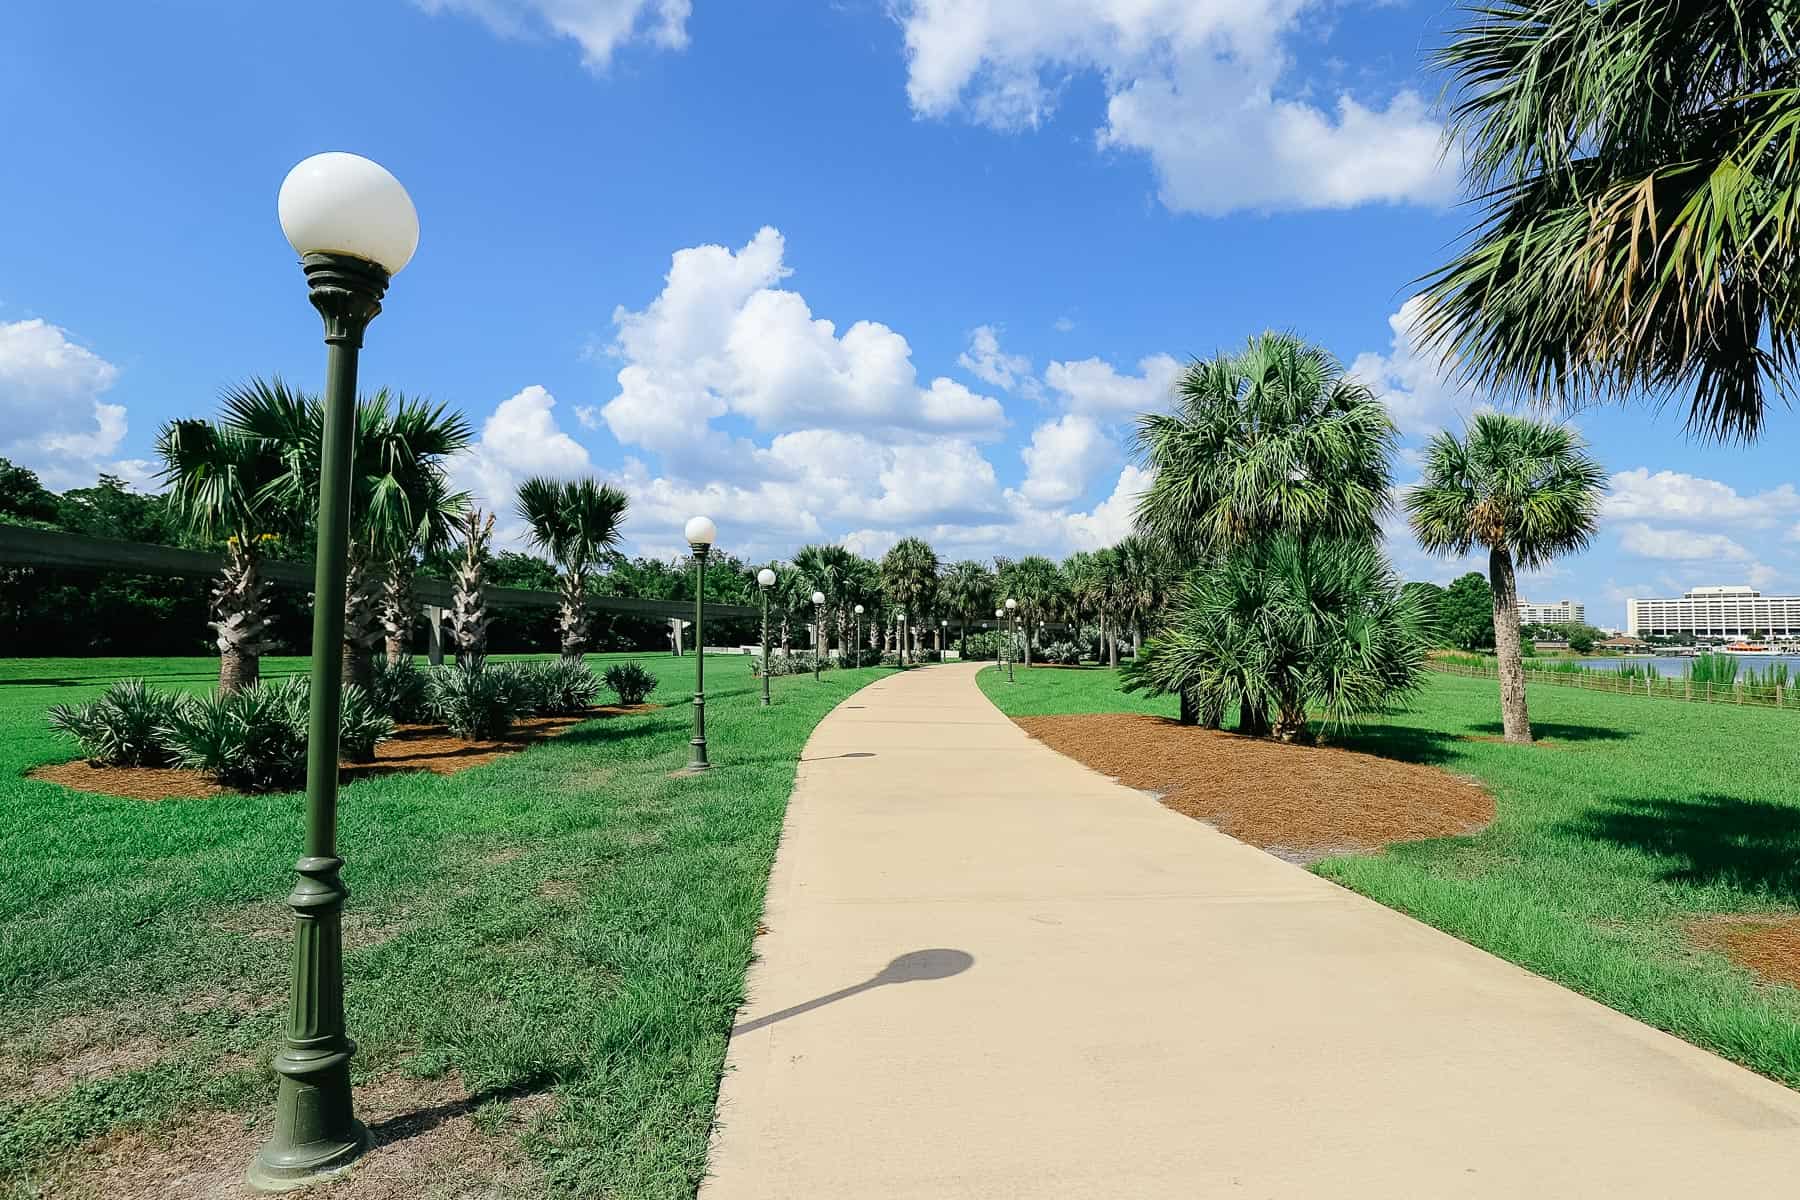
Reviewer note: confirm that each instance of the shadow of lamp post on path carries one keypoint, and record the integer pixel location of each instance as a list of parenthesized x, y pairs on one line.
[(913, 967)]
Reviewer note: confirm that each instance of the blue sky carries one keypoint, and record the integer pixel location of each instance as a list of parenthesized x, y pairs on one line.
[(1017, 216)]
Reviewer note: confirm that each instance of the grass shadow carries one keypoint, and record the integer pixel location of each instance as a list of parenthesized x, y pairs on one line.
[(401, 1126), (1750, 845), (1556, 731), (1428, 747)]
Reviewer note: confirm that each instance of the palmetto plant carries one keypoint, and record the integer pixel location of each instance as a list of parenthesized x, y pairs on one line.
[(1274, 438), (909, 577), (576, 522), (1284, 625), (1528, 492), (1639, 161), (219, 487)]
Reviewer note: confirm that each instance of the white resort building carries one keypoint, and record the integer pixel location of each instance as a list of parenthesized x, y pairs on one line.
[(1727, 612), (1562, 612)]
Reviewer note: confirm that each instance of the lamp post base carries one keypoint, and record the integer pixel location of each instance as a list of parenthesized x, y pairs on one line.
[(291, 1168)]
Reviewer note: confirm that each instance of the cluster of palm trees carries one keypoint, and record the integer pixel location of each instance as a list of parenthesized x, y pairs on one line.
[(251, 479)]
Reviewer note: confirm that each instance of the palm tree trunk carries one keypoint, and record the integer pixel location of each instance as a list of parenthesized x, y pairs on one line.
[(362, 617), (240, 618), (399, 608), (1514, 720), (1190, 711), (572, 622)]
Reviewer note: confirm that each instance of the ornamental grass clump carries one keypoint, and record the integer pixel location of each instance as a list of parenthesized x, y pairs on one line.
[(631, 682), (478, 703), (121, 728), (362, 725)]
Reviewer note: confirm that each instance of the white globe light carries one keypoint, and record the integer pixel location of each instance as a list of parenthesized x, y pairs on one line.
[(700, 531), (765, 578), (344, 204), (1012, 604), (944, 623), (999, 612), (818, 597), (859, 609)]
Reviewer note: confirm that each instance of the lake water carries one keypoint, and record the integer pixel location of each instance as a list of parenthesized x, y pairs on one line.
[(1675, 667)]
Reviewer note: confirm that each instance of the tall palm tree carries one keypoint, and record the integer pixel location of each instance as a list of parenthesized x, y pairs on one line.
[(1109, 601), (832, 570), (468, 618), (1639, 167), (575, 522), (217, 481), (1282, 625), (398, 486), (1528, 491), (1037, 585), (909, 577), (1274, 438), (1144, 576), (967, 591)]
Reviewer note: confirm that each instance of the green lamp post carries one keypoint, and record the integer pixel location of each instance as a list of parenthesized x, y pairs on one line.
[(1012, 613), (944, 639), (765, 579), (354, 228), (1004, 650), (858, 642), (818, 599), (700, 533)]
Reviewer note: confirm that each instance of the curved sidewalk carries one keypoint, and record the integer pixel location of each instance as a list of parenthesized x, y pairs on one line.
[(990, 973)]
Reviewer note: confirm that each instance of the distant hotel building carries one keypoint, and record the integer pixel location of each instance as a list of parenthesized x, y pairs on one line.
[(1563, 612), (1728, 612)]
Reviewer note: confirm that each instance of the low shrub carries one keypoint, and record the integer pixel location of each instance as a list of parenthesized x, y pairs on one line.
[(361, 726), (122, 727), (562, 688), (868, 656), (477, 703), (984, 646), (399, 690), (788, 664), (1066, 654), (631, 682), (253, 739)]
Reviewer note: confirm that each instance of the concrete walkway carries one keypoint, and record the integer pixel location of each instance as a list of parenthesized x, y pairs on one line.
[(991, 973)]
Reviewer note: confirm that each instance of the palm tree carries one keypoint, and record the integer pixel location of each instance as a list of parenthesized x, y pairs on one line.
[(1528, 491), (909, 577), (1273, 438), (1639, 164), (834, 571), (217, 482), (968, 590), (1282, 625), (575, 522), (468, 617), (1037, 585), (399, 492), (1144, 574)]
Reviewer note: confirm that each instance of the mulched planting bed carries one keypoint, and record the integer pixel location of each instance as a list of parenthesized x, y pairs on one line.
[(1300, 802), (412, 748), (1768, 945)]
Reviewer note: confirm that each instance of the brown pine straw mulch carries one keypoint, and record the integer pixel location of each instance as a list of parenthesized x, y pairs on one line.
[(1301, 803), (1768, 944), (412, 748)]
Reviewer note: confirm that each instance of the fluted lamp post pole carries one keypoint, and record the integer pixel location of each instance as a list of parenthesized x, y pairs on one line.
[(354, 228), (944, 639), (859, 613), (700, 534), (1012, 613), (765, 579), (1001, 654), (818, 599)]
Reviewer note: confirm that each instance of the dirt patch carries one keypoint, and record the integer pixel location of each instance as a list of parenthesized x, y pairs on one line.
[(1767, 945), (412, 748), (1301, 802), (73, 1051), (432, 1139)]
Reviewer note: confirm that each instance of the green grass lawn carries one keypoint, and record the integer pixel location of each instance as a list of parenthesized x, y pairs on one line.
[(570, 918), (1636, 817)]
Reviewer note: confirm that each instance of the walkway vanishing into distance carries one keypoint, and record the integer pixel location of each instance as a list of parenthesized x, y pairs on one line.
[(991, 973)]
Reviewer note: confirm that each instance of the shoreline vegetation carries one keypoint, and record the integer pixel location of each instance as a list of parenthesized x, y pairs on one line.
[(1705, 679)]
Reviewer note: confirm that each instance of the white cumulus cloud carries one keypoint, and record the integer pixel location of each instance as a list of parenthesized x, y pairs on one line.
[(1413, 380), (1641, 494), (1680, 545), (599, 27), (1063, 457), (56, 422), (519, 439), (1205, 90), (1096, 387)]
